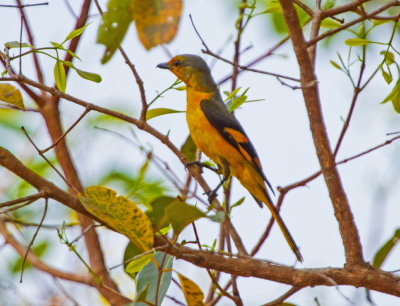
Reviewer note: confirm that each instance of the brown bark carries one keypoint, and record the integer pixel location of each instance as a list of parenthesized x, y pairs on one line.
[(309, 82)]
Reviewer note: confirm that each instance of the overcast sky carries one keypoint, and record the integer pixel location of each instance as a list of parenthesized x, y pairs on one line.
[(278, 127)]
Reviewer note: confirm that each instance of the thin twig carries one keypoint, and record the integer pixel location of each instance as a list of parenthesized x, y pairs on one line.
[(213, 280), (138, 79), (198, 34), (82, 234), (36, 262), (44, 226), (60, 287), (24, 5), (153, 250), (87, 110), (235, 289), (38, 68), (258, 59), (249, 69), (33, 238), (353, 22), (281, 299), (23, 199), (357, 91), (74, 42), (208, 51), (160, 273), (18, 207), (236, 55), (303, 182), (46, 159)]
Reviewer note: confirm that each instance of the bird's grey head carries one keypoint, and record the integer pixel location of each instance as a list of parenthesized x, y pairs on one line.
[(191, 69)]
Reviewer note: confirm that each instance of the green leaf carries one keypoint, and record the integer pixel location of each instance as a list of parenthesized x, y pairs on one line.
[(55, 44), (138, 264), (378, 22), (61, 47), (218, 217), (330, 23), (59, 76), (115, 23), (164, 230), (76, 32), (149, 275), (230, 95), (120, 214), (189, 149), (273, 7), (394, 96), (357, 42), (191, 291), (329, 4), (389, 57), (142, 190), (180, 88), (84, 74), (361, 31), (71, 53), (181, 214), (94, 77), (336, 65), (11, 95), (158, 214), (385, 250), (10, 119), (387, 76), (155, 112), (141, 296), (237, 203), (237, 102), (132, 266), (16, 44)]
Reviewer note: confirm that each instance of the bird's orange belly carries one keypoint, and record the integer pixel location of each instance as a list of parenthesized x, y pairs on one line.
[(211, 143)]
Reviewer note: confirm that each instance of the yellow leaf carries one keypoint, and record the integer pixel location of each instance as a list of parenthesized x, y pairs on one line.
[(11, 95), (193, 294), (157, 21), (119, 213)]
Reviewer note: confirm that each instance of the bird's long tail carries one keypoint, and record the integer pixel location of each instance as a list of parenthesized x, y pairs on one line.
[(282, 226)]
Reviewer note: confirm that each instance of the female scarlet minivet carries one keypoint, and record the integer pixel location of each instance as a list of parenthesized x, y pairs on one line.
[(219, 135)]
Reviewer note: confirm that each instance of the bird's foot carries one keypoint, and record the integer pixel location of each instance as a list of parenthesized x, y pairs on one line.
[(212, 194), (201, 165)]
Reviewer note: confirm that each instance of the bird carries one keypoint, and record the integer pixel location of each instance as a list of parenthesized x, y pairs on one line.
[(218, 134)]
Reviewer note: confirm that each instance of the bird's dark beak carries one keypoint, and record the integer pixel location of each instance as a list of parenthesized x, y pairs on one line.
[(164, 66)]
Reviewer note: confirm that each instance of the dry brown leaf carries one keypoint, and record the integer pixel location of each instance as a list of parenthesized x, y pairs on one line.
[(157, 21)]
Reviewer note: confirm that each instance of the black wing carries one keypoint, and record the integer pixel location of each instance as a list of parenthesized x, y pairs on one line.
[(229, 127)]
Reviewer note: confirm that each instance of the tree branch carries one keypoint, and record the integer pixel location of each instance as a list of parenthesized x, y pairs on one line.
[(358, 276), (353, 22), (343, 214), (37, 263)]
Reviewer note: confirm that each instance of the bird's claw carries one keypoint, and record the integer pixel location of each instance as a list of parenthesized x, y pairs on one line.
[(212, 194), (194, 163), (201, 165)]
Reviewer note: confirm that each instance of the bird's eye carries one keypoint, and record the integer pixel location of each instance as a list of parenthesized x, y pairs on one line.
[(176, 63)]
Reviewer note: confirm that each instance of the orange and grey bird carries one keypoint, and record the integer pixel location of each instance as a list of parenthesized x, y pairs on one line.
[(220, 136)]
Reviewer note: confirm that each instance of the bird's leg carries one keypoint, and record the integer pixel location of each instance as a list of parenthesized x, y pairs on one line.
[(201, 166), (213, 193), (224, 168)]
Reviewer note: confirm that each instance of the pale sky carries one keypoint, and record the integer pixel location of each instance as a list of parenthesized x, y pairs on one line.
[(278, 127)]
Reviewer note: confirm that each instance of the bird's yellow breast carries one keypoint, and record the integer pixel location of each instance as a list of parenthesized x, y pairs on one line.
[(204, 135), (208, 139)]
